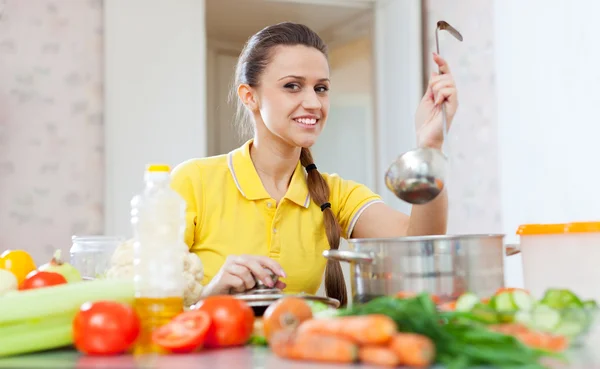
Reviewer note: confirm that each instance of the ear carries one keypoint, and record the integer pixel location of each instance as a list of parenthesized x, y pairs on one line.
[(246, 95)]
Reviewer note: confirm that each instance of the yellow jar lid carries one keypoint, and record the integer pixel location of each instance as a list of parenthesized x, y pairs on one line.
[(558, 228), (158, 168)]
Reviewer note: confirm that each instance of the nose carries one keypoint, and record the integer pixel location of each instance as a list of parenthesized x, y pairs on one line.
[(311, 101)]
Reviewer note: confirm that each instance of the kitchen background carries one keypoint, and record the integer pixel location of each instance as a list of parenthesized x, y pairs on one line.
[(91, 90)]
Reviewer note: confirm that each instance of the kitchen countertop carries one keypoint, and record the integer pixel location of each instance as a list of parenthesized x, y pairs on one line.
[(239, 358)]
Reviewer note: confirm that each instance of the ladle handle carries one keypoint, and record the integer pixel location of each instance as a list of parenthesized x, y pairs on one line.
[(444, 119)]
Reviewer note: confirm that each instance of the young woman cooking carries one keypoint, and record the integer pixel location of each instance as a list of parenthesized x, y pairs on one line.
[(265, 204)]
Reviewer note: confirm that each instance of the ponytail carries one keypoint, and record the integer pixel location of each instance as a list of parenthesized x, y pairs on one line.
[(335, 287)]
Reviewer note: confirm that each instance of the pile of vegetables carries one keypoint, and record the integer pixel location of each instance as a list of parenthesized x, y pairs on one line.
[(51, 307), (559, 312), (460, 341), (412, 330)]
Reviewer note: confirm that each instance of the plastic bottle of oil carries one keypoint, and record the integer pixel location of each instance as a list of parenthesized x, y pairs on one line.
[(158, 221)]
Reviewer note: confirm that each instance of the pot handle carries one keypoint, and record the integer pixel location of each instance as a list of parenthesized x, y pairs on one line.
[(512, 249), (348, 256)]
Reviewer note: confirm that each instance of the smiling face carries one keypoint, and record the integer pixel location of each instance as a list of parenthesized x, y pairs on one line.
[(291, 99)]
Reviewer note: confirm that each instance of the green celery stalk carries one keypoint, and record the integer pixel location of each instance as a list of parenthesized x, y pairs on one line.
[(53, 300), (7, 331), (38, 339)]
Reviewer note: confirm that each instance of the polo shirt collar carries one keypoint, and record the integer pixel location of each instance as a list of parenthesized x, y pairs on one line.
[(249, 184)]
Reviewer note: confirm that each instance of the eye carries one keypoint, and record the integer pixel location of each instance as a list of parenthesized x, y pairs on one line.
[(321, 89), (292, 86)]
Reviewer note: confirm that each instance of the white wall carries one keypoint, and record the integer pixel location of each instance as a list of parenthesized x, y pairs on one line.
[(548, 108), (155, 83), (398, 77), (547, 78)]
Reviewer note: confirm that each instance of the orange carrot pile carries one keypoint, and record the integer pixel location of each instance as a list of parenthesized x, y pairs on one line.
[(372, 339), (533, 339)]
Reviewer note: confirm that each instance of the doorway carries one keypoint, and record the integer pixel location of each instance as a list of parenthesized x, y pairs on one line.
[(346, 145)]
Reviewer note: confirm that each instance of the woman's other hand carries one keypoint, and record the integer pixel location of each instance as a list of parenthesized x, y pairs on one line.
[(240, 272)]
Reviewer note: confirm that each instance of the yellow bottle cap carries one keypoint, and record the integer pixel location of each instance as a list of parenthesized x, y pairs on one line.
[(158, 168)]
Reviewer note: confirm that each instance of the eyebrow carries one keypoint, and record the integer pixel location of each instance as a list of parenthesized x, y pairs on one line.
[(302, 78)]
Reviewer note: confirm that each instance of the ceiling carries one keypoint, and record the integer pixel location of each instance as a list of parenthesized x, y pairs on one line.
[(235, 21)]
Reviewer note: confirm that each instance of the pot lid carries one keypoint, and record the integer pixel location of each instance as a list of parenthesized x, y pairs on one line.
[(263, 297), (267, 297)]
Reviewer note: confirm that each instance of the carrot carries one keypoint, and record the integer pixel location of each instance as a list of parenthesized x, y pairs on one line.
[(543, 341), (509, 328), (409, 295), (539, 340), (557, 343), (405, 295), (362, 329), (313, 347), (413, 349), (448, 306), (510, 289), (378, 355)]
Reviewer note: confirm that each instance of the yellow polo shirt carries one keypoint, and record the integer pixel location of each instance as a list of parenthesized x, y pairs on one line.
[(230, 213)]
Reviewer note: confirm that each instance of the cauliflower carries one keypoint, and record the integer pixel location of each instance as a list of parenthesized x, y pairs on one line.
[(121, 266), (8, 282)]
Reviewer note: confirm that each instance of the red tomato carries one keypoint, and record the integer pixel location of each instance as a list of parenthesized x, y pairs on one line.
[(232, 321), (105, 328), (185, 333), (37, 279)]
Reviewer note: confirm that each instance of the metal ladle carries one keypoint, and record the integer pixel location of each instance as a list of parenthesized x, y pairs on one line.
[(418, 176)]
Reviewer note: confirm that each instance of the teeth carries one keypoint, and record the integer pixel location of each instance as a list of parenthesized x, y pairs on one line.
[(306, 121)]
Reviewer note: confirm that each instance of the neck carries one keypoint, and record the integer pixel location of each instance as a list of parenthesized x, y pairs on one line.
[(274, 161)]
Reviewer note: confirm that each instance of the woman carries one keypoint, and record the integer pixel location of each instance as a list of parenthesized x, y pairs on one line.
[(265, 205)]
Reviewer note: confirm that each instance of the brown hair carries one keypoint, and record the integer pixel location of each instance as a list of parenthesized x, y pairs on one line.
[(253, 60)]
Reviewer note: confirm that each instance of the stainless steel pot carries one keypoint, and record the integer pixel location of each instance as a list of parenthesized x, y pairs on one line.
[(446, 266)]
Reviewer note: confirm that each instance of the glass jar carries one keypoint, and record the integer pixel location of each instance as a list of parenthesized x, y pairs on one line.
[(91, 254)]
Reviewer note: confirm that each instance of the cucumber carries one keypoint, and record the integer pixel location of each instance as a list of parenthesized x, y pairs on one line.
[(466, 302), (573, 322), (503, 302), (590, 304), (569, 329), (522, 300), (524, 317), (511, 301), (561, 299), (317, 306), (326, 314), (545, 318)]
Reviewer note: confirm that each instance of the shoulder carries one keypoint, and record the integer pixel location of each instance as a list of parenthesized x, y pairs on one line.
[(194, 165), (338, 185), (191, 171), (348, 193)]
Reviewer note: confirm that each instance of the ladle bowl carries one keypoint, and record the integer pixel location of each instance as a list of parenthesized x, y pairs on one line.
[(418, 176)]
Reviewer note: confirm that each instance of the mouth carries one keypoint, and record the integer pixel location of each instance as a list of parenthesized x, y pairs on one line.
[(307, 122)]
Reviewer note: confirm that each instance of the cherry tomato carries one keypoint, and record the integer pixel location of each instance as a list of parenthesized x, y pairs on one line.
[(285, 314), (185, 333), (105, 328), (232, 321), (37, 279), (18, 262)]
